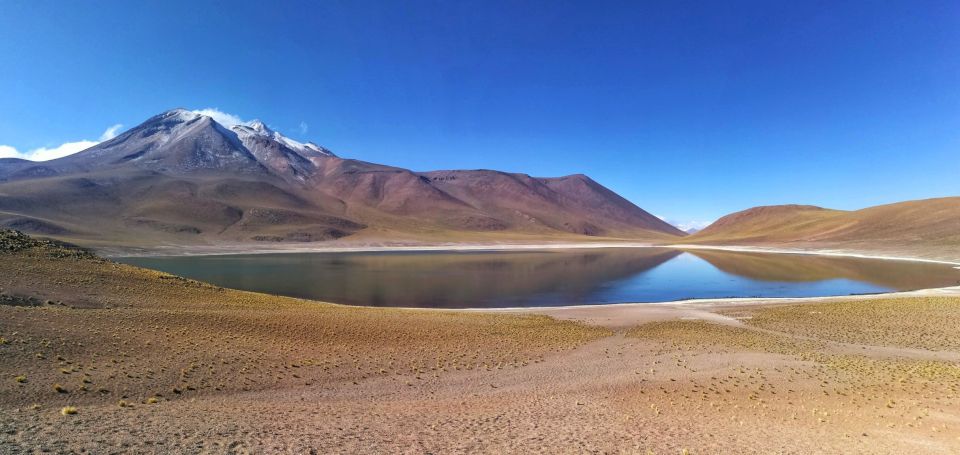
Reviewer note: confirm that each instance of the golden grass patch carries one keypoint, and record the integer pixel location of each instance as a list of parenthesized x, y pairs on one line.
[(914, 322)]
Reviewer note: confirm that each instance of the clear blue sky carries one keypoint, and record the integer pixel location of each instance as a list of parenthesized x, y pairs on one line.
[(689, 109)]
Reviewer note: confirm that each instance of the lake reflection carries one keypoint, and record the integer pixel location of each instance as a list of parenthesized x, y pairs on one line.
[(547, 278)]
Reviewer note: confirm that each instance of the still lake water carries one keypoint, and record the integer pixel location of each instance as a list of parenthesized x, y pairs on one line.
[(549, 278)]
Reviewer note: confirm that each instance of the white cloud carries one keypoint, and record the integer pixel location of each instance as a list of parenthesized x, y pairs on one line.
[(224, 118), (7, 151), (60, 151), (110, 133), (304, 127)]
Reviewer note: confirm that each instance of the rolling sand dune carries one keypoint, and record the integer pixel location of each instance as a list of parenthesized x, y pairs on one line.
[(98, 354)]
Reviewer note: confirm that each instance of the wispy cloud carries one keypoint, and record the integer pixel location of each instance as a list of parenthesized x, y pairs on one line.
[(110, 133), (224, 118), (304, 127), (59, 151)]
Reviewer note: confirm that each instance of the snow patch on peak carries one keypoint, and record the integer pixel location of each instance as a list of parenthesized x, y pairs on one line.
[(258, 128), (179, 114), (174, 111), (301, 147), (318, 149)]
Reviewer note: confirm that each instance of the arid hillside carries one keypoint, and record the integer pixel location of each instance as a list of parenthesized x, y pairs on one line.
[(924, 228)]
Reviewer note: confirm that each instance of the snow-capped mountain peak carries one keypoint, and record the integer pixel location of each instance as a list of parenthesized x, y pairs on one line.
[(185, 141)]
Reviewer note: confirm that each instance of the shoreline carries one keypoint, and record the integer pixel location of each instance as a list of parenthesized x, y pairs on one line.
[(730, 301), (623, 316), (832, 253), (227, 250), (685, 303)]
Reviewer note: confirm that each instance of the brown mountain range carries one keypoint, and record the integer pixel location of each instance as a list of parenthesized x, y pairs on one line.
[(182, 178)]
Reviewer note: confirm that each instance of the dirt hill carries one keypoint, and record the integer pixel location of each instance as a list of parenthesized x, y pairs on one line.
[(929, 227)]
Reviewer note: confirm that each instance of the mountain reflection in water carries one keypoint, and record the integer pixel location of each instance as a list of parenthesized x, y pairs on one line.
[(550, 277)]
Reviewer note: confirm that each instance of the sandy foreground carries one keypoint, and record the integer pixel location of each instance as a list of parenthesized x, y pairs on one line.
[(108, 358)]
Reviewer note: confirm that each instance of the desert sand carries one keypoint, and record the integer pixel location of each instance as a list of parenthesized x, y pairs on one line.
[(107, 358)]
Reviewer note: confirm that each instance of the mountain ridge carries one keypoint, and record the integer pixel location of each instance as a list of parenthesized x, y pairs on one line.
[(180, 177), (926, 228)]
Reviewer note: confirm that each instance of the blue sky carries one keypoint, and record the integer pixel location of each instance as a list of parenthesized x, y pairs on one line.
[(689, 109)]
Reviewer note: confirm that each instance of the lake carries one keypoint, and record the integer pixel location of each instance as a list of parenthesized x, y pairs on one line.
[(551, 277)]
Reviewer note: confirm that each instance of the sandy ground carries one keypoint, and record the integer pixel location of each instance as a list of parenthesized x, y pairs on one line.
[(155, 364)]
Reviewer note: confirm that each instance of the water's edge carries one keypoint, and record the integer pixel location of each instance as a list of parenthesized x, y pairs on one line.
[(950, 290), (180, 251)]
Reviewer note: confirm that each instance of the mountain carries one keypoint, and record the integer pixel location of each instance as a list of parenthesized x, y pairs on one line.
[(181, 178), (929, 228), (767, 223)]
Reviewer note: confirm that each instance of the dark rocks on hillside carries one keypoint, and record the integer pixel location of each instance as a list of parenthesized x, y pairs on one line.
[(12, 241)]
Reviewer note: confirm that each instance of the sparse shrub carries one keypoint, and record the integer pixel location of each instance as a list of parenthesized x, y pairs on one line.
[(152, 400), (68, 410), (21, 379), (60, 389)]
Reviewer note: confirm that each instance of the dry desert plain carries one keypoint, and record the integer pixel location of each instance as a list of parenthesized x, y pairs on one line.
[(98, 357)]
